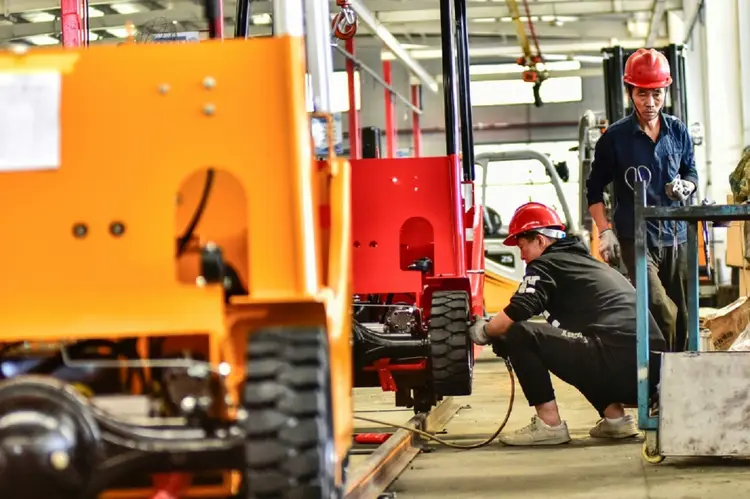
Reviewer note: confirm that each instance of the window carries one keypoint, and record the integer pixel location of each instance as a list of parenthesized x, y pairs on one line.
[(339, 92), (508, 92)]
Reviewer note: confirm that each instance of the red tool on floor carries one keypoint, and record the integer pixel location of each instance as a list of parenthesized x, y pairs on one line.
[(170, 485), (371, 438)]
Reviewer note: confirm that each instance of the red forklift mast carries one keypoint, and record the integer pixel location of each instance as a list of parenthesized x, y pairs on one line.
[(418, 238)]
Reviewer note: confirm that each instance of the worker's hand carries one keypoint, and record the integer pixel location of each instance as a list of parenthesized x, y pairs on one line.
[(609, 247), (477, 331), (679, 190)]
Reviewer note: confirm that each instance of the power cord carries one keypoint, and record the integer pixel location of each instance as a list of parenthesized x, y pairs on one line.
[(430, 436)]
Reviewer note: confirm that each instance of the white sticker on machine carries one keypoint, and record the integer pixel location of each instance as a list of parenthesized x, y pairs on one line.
[(30, 121)]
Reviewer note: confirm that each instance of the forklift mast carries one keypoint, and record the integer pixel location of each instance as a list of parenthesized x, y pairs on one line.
[(456, 84), (617, 103)]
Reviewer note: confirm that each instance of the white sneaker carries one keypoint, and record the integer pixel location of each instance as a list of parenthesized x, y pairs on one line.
[(537, 433), (624, 427)]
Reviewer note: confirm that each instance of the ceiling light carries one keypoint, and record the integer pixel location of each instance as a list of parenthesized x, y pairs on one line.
[(493, 69), (43, 40), (118, 32), (38, 17), (262, 19), (125, 8)]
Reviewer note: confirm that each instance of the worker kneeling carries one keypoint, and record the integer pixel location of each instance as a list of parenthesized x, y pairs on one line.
[(590, 341)]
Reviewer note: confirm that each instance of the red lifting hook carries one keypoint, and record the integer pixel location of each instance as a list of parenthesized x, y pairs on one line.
[(344, 23)]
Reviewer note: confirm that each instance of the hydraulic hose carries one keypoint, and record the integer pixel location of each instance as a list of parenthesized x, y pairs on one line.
[(483, 443)]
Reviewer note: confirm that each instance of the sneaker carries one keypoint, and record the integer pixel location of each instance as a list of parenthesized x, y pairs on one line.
[(537, 433), (615, 428)]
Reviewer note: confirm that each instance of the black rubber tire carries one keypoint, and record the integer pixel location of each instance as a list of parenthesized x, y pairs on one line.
[(451, 348), (289, 424)]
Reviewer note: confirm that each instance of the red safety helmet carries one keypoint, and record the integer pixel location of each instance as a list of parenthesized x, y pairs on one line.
[(534, 217), (647, 68)]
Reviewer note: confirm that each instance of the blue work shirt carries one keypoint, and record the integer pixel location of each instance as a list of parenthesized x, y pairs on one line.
[(623, 145)]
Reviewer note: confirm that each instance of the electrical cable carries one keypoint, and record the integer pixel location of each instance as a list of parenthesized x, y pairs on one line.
[(451, 445), (183, 241)]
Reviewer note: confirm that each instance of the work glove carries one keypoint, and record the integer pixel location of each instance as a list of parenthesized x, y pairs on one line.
[(477, 331), (609, 247), (679, 190)]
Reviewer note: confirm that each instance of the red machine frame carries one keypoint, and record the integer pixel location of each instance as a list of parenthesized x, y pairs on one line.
[(417, 232)]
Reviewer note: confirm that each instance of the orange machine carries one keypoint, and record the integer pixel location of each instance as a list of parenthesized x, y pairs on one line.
[(185, 265)]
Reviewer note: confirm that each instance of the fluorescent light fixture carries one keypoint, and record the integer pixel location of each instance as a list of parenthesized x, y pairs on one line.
[(262, 19), (413, 46), (496, 69), (38, 17), (43, 40), (591, 59), (126, 8), (544, 19), (118, 32), (95, 12)]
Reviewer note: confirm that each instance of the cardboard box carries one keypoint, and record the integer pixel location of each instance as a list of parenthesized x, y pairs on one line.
[(727, 323)]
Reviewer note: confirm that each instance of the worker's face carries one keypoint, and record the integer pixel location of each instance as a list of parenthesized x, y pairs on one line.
[(648, 101), (531, 247)]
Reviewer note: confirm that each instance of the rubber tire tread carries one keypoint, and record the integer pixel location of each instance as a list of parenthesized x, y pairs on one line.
[(450, 344), (287, 396)]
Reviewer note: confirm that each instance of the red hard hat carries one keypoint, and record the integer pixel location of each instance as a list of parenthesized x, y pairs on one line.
[(647, 68), (529, 217)]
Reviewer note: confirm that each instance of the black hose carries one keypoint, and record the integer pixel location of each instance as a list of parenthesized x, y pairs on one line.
[(184, 240)]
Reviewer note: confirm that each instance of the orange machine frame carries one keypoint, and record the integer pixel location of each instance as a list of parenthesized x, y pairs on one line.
[(140, 124)]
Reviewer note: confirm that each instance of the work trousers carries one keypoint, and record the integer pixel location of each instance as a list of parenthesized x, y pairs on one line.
[(667, 289), (605, 374)]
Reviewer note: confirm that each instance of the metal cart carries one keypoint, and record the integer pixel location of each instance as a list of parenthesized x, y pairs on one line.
[(703, 397)]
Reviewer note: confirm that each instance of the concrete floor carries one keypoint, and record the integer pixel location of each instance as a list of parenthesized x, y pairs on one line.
[(585, 468)]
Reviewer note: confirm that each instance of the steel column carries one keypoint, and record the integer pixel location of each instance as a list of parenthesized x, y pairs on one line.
[(464, 85), (390, 113), (214, 14), (449, 77), (416, 131), (220, 19), (355, 151), (317, 19), (74, 20)]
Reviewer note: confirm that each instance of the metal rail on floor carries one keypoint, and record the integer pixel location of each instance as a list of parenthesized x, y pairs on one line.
[(371, 478)]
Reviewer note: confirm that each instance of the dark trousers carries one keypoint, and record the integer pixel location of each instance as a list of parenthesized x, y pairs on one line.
[(603, 373), (667, 289)]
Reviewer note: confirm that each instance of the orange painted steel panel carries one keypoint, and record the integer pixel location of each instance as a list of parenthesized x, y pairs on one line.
[(141, 125)]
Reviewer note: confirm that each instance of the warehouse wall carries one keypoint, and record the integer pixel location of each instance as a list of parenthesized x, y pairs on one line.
[(521, 122)]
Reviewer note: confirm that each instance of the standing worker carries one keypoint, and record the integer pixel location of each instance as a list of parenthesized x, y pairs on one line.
[(589, 341), (654, 147)]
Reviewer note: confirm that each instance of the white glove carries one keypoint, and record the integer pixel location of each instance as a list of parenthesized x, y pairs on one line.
[(477, 331), (679, 190), (609, 247)]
